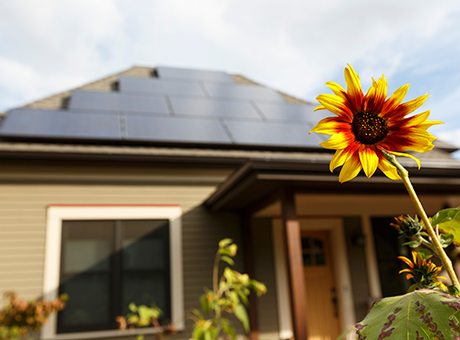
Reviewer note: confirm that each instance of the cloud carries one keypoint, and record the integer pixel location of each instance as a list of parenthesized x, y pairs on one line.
[(294, 46)]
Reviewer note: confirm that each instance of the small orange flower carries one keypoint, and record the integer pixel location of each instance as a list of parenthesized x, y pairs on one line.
[(366, 125), (423, 271)]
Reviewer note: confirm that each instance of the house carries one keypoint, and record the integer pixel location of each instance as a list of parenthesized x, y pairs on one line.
[(119, 191)]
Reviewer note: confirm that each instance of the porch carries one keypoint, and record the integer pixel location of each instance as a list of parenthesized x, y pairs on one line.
[(326, 265)]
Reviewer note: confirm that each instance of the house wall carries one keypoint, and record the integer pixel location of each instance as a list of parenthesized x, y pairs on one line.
[(27, 188), (264, 271)]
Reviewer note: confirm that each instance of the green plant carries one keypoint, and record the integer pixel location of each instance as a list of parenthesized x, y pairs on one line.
[(228, 296), (20, 317), (143, 316)]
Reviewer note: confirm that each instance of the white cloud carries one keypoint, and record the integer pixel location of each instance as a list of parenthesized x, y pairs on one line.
[(294, 46)]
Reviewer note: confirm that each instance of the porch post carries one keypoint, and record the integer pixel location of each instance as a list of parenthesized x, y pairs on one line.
[(295, 265), (249, 266)]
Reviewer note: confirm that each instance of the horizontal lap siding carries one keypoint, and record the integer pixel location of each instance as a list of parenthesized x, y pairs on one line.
[(23, 206), (264, 271)]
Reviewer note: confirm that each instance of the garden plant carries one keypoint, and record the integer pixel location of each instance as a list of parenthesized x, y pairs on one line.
[(368, 131), (229, 296), (20, 318)]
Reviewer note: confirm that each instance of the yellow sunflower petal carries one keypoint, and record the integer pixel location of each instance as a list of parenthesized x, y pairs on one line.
[(380, 90), (407, 270), (339, 158), (409, 107), (320, 107), (428, 124), (406, 155), (409, 276), (369, 160), (396, 98), (335, 104), (337, 141), (406, 261), (350, 169), (327, 126), (353, 85), (418, 118), (337, 89), (389, 170)]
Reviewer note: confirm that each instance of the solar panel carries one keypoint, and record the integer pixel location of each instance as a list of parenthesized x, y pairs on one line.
[(293, 112), (273, 134), (154, 85), (190, 74), (109, 101), (213, 108), (237, 91), (60, 124), (174, 129)]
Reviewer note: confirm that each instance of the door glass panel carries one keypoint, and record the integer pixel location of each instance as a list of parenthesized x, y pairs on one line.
[(317, 244), (305, 243), (320, 260), (307, 260)]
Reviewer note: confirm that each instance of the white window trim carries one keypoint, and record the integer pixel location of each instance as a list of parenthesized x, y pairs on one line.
[(57, 213)]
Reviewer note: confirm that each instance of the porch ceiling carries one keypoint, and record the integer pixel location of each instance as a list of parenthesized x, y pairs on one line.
[(257, 184)]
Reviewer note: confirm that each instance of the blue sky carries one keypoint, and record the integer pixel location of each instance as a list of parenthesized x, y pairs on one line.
[(49, 46)]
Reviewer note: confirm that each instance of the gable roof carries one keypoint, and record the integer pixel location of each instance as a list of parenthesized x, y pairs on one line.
[(257, 121), (169, 106)]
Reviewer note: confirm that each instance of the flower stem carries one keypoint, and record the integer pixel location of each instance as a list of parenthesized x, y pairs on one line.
[(418, 206)]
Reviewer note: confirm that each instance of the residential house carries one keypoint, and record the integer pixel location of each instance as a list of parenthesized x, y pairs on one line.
[(120, 190)]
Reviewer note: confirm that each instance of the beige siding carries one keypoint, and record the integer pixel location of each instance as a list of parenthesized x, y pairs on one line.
[(264, 271), (27, 191)]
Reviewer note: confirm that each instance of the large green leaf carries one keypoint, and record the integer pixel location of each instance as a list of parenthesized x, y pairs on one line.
[(421, 315), (448, 221), (242, 315)]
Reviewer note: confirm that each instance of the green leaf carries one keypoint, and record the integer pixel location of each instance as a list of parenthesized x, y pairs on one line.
[(448, 221), (425, 253), (412, 288), (197, 313), (229, 275), (225, 242), (412, 244), (242, 315), (198, 333), (132, 307), (243, 297), (204, 303), (444, 215), (446, 239), (227, 259), (453, 290), (423, 314), (229, 330)]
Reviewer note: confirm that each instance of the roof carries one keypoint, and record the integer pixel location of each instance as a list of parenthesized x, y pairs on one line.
[(169, 106), (222, 118)]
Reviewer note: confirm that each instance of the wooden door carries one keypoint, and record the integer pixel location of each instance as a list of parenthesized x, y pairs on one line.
[(320, 289)]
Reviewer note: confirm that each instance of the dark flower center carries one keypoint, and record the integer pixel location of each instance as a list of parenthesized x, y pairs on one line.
[(369, 128)]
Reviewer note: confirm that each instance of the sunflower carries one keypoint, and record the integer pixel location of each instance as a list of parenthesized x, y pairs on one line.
[(423, 271), (366, 125)]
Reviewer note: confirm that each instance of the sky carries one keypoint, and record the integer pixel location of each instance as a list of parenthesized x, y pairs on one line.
[(50, 46)]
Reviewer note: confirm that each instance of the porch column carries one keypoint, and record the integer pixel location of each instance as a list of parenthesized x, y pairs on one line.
[(295, 265), (249, 266)]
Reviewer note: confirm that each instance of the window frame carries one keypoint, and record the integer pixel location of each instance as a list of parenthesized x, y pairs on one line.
[(56, 213)]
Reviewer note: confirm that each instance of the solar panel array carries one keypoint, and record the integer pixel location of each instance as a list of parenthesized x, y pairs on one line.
[(181, 106)]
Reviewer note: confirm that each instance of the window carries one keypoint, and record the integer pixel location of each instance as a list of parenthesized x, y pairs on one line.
[(108, 257)]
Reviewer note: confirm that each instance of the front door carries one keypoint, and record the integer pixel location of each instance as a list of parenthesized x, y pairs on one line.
[(320, 288)]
